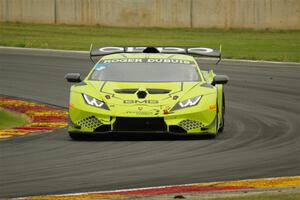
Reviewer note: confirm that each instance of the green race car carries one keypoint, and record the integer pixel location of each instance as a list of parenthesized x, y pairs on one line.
[(147, 90)]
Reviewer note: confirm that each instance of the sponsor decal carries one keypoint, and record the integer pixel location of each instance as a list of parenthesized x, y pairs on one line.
[(111, 49), (124, 60), (149, 60), (140, 108), (139, 113), (140, 101), (156, 111), (197, 50), (101, 66), (167, 110)]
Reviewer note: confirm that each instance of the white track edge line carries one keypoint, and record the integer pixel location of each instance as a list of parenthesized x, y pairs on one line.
[(87, 52), (155, 187), (44, 50)]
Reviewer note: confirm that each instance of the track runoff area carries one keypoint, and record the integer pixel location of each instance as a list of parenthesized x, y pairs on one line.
[(180, 190), (45, 118)]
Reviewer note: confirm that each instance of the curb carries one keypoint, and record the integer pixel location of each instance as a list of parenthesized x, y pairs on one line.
[(242, 185), (42, 117)]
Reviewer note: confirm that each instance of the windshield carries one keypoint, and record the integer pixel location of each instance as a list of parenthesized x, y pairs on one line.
[(146, 70)]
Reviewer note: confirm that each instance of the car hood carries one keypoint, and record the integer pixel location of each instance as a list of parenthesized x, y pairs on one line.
[(126, 98)]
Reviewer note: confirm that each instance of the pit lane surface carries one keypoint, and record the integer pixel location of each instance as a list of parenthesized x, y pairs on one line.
[(261, 138)]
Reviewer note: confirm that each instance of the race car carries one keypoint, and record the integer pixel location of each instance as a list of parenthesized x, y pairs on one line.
[(147, 90)]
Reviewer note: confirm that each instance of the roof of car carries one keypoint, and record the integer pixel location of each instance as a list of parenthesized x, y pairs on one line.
[(148, 55)]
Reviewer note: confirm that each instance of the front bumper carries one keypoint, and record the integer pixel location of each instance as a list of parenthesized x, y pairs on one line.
[(189, 123)]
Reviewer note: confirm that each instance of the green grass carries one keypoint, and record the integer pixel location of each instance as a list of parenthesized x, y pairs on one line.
[(10, 119), (241, 44), (273, 196), (285, 196)]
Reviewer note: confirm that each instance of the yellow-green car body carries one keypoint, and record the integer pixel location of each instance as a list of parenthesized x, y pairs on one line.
[(135, 92)]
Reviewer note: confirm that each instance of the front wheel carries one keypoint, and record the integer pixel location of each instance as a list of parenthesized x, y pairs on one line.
[(223, 114)]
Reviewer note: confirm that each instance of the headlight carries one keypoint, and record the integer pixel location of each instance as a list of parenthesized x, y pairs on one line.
[(94, 102), (187, 103)]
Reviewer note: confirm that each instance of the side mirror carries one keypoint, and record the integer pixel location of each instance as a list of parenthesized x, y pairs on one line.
[(220, 79), (73, 77)]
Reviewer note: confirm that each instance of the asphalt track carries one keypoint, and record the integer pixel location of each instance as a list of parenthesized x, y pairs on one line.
[(261, 138)]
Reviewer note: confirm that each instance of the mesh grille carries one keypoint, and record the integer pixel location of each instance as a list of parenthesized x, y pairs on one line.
[(90, 122), (190, 124)]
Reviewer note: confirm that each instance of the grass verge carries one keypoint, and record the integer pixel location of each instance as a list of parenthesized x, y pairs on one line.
[(266, 195), (10, 119), (241, 44), (284, 196)]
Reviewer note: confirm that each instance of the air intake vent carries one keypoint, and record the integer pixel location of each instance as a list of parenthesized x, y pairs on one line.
[(158, 91), (190, 124), (126, 91), (141, 94), (90, 122)]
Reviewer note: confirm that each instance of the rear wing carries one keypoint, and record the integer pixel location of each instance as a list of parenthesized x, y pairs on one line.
[(196, 51)]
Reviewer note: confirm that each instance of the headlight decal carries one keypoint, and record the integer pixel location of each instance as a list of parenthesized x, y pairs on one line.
[(94, 102), (187, 103), (190, 102)]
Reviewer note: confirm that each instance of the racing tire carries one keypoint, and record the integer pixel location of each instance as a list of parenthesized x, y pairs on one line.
[(221, 129)]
